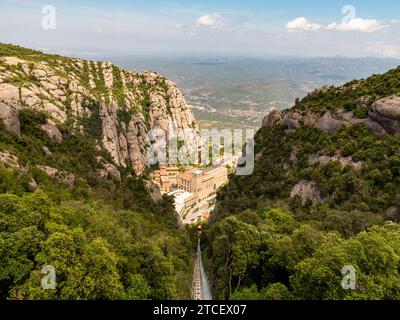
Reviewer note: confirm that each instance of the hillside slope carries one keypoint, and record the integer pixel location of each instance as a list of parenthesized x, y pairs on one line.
[(74, 193), (116, 106), (325, 186)]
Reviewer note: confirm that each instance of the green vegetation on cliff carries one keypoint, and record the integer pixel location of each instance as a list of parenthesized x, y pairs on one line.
[(101, 230), (348, 96), (106, 239), (274, 237)]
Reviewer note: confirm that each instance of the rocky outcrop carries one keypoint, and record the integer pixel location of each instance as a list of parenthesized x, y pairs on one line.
[(292, 121), (306, 191), (383, 117), (126, 104), (274, 117), (52, 132), (9, 106), (63, 176), (344, 161), (46, 151), (110, 169), (330, 123), (155, 192), (8, 160), (386, 112)]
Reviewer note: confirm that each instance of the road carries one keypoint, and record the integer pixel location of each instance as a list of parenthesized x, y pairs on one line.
[(201, 288)]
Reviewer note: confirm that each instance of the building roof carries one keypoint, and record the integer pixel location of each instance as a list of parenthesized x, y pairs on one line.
[(182, 197), (214, 169), (164, 179), (186, 176)]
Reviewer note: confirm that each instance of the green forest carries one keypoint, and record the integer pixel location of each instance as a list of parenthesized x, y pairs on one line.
[(106, 239)]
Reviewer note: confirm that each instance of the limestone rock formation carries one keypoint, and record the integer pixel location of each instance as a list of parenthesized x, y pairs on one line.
[(274, 117), (306, 190), (155, 192), (344, 161), (122, 106), (9, 98), (383, 117), (8, 160), (52, 131), (386, 112), (63, 176)]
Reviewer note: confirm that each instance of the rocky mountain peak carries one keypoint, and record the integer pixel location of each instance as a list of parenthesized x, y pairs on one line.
[(118, 106), (374, 102)]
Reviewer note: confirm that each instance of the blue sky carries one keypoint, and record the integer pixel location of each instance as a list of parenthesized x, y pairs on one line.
[(298, 28)]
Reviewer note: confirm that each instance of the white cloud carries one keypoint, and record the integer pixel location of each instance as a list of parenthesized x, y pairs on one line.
[(213, 20), (302, 24), (358, 24), (384, 50)]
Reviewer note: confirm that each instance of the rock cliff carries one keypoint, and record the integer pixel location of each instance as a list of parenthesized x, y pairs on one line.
[(118, 106), (383, 118), (374, 102), (336, 148)]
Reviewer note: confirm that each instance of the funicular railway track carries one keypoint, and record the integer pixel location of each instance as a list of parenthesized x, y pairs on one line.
[(201, 289)]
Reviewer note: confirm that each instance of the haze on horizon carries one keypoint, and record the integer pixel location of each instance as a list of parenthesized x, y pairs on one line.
[(164, 27)]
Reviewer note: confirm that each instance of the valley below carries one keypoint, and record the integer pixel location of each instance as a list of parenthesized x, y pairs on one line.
[(237, 92)]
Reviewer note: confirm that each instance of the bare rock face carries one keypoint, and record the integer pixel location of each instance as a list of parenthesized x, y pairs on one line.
[(364, 101), (9, 105), (113, 142), (110, 169), (329, 123), (273, 118), (383, 116), (9, 160), (294, 155), (374, 126), (63, 176), (344, 161), (378, 122), (9, 118), (292, 120), (52, 132), (167, 111), (155, 192), (46, 151), (137, 139), (386, 112), (141, 103), (306, 190)]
